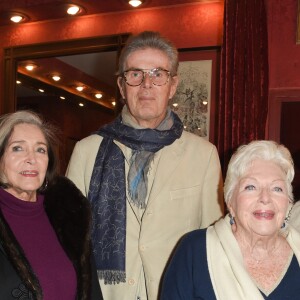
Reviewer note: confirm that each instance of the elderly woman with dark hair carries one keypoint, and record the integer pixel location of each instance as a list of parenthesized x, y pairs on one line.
[(45, 244), (252, 253)]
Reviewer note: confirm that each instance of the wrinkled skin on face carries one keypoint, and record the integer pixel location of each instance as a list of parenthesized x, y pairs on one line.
[(25, 161), (147, 103), (260, 201)]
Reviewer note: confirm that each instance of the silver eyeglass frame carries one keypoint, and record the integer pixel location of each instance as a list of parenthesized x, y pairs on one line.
[(149, 72)]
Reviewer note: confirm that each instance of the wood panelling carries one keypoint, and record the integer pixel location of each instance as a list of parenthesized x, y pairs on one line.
[(290, 137), (74, 122)]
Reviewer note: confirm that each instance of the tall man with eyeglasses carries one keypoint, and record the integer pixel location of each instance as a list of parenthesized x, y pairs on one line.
[(148, 180)]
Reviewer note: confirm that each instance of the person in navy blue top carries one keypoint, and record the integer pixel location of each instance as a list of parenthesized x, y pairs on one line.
[(253, 253)]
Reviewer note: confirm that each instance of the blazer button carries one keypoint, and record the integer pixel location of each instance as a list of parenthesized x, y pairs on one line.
[(131, 281)]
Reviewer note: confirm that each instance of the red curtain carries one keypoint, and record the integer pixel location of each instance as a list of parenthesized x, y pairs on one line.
[(243, 99)]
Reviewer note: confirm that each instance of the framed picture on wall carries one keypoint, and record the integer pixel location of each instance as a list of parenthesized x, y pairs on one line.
[(195, 98)]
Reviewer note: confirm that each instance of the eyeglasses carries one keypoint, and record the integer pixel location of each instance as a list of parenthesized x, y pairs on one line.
[(135, 77)]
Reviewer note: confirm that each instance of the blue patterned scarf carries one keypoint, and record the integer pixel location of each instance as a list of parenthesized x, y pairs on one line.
[(107, 191)]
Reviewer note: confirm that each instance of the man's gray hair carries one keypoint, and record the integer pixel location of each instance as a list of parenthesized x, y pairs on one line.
[(152, 40)]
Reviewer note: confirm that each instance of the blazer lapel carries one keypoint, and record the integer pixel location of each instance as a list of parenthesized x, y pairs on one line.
[(168, 161)]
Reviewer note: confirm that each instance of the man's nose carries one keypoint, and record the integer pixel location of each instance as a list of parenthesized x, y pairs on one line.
[(147, 82)]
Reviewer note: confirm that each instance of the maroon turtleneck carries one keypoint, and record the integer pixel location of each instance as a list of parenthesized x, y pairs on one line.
[(32, 229)]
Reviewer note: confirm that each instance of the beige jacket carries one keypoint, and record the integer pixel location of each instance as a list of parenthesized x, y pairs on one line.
[(185, 195), (230, 278)]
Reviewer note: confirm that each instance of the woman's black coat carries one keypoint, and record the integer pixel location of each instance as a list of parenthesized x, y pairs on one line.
[(69, 213)]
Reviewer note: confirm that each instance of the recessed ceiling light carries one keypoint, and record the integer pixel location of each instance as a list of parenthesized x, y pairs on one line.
[(74, 9), (18, 82), (114, 103), (135, 3), (98, 95), (30, 67), (41, 90), (18, 17), (79, 88), (56, 77), (81, 104), (62, 97)]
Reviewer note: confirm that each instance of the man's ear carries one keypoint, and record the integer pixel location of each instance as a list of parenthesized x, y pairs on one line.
[(174, 84), (120, 82)]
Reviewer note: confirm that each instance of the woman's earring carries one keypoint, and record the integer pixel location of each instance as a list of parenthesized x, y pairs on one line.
[(45, 185), (287, 218), (231, 219)]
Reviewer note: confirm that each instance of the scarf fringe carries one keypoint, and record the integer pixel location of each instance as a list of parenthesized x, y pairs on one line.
[(139, 203), (112, 277)]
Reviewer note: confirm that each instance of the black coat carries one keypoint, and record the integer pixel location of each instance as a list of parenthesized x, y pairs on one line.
[(69, 213)]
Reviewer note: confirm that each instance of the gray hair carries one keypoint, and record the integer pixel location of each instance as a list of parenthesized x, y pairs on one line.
[(145, 40), (7, 125), (264, 150)]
